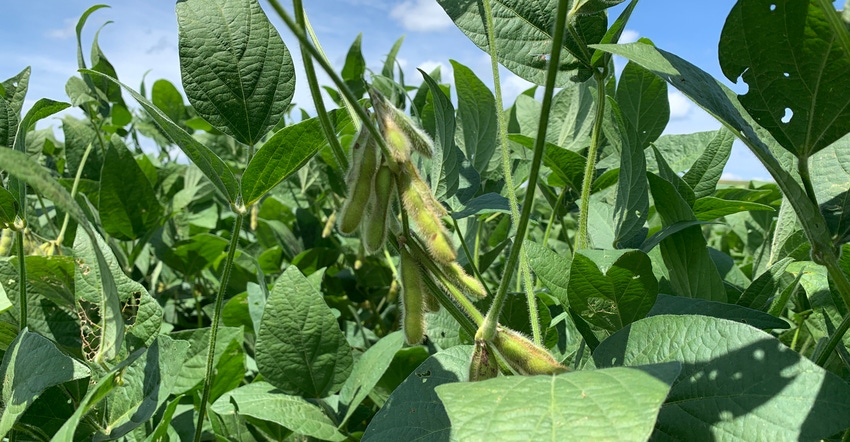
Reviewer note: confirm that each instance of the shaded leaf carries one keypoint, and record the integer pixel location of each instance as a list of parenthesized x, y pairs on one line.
[(368, 371), (444, 167), (476, 113), (707, 169), (678, 305), (128, 204), (642, 98)]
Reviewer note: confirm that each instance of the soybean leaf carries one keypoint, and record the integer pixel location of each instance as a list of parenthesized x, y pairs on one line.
[(14, 90), (677, 305), (552, 269), (210, 164), (79, 137), (612, 288), (8, 208), (128, 204), (444, 167), (795, 68), (706, 170), (145, 385), (682, 188), (8, 124), (567, 166), (631, 208), (681, 151), (236, 70), (592, 6), (281, 156), (692, 273), (261, 400), (611, 404), (830, 172), (194, 364), (300, 348), (367, 372), (765, 286), (710, 208), (110, 91), (354, 68), (395, 421), (31, 365), (5, 303), (167, 98), (737, 382), (524, 50), (476, 113), (484, 204), (642, 98), (389, 63), (666, 231)]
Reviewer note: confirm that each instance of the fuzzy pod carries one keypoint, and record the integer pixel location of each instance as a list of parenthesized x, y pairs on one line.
[(431, 303), (397, 141), (375, 224), (523, 355), (329, 225), (464, 281), (412, 298), (6, 241), (426, 219), (363, 167), (483, 365), (418, 139)]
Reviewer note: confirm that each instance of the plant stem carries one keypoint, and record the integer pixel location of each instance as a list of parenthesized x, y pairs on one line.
[(487, 331), (225, 278), (346, 92), (321, 112), (555, 208), (806, 178), (22, 281), (61, 236), (469, 257), (590, 167)]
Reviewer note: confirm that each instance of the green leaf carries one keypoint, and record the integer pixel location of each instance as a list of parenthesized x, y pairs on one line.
[(707, 169), (5, 303), (567, 166), (396, 420), (367, 372), (281, 156), (167, 98), (195, 362), (8, 208), (300, 347), (611, 289), (614, 404), (682, 188), (631, 208), (642, 98), (444, 168), (31, 365), (795, 68), (145, 385), (709, 208), (552, 269), (476, 113), (830, 173), (484, 204), (692, 273), (660, 235), (108, 90), (260, 400), (389, 62), (128, 204), (677, 305), (354, 68), (737, 382), (97, 294), (79, 137), (525, 49), (15, 91), (236, 70), (210, 164), (8, 124)]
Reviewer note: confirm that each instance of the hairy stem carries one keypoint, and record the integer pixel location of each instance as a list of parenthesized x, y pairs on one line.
[(22, 281), (584, 206), (316, 92), (487, 331), (225, 278)]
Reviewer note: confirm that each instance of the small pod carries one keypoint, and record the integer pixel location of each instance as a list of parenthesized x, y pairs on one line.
[(6, 241), (523, 355), (430, 226), (393, 119), (464, 281), (364, 164), (412, 298), (483, 365), (375, 223)]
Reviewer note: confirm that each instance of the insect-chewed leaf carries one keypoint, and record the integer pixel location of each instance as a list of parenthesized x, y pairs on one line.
[(364, 164), (483, 365), (412, 298), (374, 224), (523, 355)]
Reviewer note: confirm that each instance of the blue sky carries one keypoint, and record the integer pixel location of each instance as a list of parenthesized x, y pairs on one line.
[(143, 36)]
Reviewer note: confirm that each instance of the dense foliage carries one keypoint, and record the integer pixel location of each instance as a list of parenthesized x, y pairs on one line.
[(408, 266)]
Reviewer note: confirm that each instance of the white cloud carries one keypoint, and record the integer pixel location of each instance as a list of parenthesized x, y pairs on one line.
[(629, 36), (68, 31), (680, 105), (421, 15)]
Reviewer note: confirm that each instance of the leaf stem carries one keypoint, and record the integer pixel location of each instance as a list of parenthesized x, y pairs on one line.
[(346, 92), (313, 82), (469, 257), (22, 281), (61, 236), (225, 278), (584, 206), (487, 331)]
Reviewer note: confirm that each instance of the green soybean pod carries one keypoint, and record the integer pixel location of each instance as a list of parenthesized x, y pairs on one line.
[(412, 298), (423, 215), (375, 223), (359, 180), (6, 242), (523, 355)]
